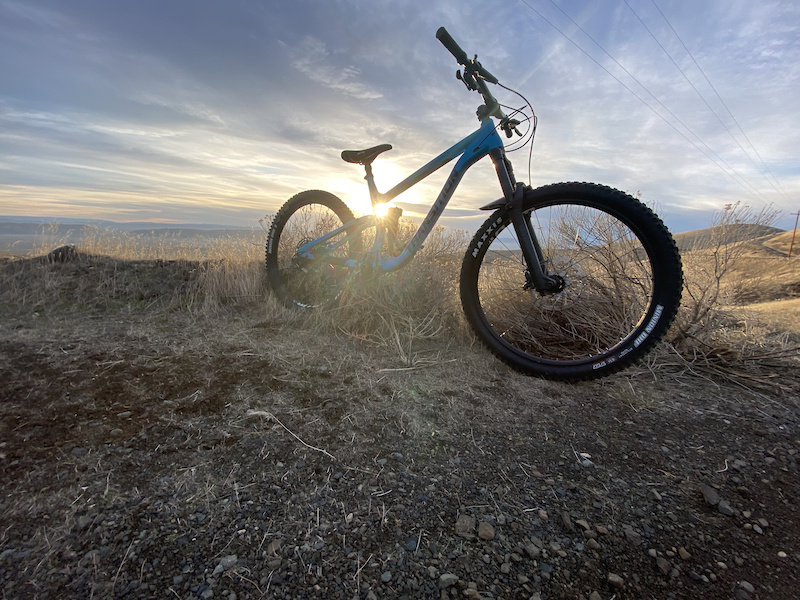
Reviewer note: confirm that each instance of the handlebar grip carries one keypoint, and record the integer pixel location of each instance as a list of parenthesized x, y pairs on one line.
[(449, 43)]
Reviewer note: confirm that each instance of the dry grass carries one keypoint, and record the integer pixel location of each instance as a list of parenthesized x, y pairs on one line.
[(737, 318), (726, 269)]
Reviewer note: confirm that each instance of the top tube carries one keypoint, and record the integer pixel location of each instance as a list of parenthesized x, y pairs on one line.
[(487, 138)]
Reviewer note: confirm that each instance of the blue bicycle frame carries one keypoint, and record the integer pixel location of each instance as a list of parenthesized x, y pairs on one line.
[(472, 148)]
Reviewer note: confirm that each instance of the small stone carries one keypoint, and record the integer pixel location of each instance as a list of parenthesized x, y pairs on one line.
[(747, 514), (447, 580), (532, 551), (656, 496), (663, 565), (633, 536), (782, 554), (683, 553), (567, 521), (542, 514), (124, 414), (652, 552), (763, 522), (274, 546), (485, 531), (584, 525), (465, 527), (386, 576), (725, 508), (758, 530), (710, 494), (601, 529), (616, 580), (229, 561), (593, 544), (595, 595), (505, 568), (746, 586), (115, 432)]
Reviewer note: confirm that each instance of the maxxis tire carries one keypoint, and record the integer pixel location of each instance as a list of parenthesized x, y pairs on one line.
[(276, 252), (655, 250)]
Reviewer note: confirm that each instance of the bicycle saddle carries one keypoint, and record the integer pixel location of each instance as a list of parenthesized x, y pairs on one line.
[(364, 157)]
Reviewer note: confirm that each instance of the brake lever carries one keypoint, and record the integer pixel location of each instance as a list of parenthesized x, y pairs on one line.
[(510, 127)]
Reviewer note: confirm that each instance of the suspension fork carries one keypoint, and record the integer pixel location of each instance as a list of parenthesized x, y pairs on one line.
[(535, 275)]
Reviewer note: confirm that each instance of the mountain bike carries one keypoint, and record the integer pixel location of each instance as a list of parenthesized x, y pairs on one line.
[(568, 281)]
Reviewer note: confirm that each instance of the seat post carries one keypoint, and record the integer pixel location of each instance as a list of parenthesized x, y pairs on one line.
[(374, 195)]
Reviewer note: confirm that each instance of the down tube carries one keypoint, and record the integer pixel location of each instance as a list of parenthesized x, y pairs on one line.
[(469, 158)]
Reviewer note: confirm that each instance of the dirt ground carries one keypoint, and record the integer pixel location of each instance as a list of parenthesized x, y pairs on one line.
[(151, 451)]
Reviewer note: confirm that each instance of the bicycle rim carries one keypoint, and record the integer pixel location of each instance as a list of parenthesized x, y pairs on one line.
[(310, 283), (608, 286)]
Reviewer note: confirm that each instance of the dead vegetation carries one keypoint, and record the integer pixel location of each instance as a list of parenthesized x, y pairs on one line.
[(160, 415)]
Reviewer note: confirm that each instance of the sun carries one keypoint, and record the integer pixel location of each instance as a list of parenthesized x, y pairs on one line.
[(387, 174)]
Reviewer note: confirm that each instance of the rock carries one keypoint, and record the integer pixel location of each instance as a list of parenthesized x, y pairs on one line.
[(595, 596), (567, 521), (615, 580), (584, 525), (386, 577), (663, 565), (602, 530), (274, 546), (465, 527), (758, 530), (62, 254), (710, 494), (505, 568), (725, 508), (447, 580), (124, 414), (542, 514), (746, 586), (593, 544), (225, 563), (532, 551), (485, 531), (683, 553), (633, 536), (656, 496)]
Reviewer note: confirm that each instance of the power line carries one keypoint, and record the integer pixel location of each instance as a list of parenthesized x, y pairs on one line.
[(731, 172), (779, 188)]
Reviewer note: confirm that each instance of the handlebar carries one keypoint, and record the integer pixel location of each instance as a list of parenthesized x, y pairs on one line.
[(471, 66), (474, 77), (449, 43)]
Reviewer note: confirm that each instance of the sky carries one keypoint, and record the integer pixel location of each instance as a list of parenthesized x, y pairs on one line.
[(199, 111)]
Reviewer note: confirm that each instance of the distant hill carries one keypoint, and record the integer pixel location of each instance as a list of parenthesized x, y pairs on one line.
[(701, 239), (21, 235)]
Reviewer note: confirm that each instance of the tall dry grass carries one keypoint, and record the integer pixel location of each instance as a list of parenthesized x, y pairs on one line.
[(415, 312), (712, 336)]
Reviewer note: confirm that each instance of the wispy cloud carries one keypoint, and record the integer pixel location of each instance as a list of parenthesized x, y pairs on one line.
[(226, 109)]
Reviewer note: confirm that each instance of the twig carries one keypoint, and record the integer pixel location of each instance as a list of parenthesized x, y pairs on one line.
[(269, 415)]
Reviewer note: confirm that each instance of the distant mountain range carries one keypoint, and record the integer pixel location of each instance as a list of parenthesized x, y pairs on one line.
[(28, 225), (20, 235)]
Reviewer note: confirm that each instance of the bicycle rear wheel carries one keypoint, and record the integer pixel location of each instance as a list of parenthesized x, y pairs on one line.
[(298, 281), (621, 276)]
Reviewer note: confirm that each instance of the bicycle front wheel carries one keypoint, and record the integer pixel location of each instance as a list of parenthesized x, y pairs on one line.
[(620, 283), (308, 283)]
